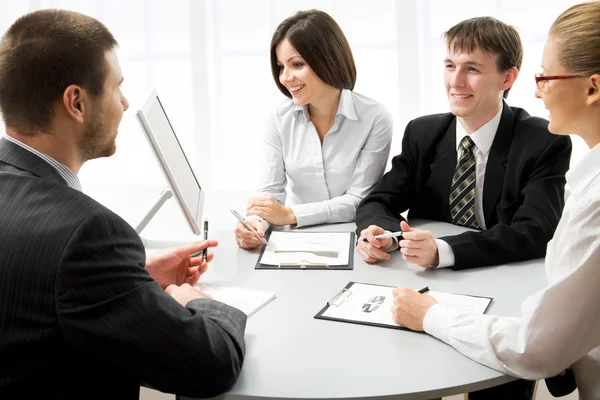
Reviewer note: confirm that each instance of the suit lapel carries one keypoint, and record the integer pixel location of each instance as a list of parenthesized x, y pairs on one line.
[(496, 165), (444, 164), (19, 157)]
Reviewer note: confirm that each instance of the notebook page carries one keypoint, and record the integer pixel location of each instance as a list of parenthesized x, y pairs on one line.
[(247, 300)]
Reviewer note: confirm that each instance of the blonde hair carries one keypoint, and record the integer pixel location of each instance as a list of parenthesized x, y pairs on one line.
[(576, 34)]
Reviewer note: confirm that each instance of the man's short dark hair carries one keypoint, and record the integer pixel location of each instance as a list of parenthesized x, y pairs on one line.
[(43, 53), (321, 43), (490, 36)]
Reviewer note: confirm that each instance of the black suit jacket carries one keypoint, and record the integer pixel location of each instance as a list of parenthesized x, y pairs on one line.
[(80, 317), (523, 193)]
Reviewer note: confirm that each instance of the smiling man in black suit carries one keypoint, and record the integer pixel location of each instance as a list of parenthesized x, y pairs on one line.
[(83, 312), (485, 165)]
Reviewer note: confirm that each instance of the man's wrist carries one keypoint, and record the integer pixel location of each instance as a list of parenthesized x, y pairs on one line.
[(436, 258), (444, 253)]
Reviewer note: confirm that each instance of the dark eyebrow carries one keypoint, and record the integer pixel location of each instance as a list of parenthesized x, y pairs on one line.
[(471, 63), (474, 63), (289, 59)]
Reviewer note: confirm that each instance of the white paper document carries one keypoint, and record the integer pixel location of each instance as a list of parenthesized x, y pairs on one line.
[(372, 304), (330, 248), (246, 300)]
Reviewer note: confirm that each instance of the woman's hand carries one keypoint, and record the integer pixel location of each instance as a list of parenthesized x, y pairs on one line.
[(245, 238), (271, 210)]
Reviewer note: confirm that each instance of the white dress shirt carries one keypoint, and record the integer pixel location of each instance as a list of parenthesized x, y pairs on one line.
[(69, 176), (560, 325), (326, 182)]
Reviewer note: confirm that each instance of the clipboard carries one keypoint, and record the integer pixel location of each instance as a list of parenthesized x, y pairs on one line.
[(305, 264), (375, 303)]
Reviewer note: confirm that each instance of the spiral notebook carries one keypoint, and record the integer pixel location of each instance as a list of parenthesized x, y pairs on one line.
[(247, 300)]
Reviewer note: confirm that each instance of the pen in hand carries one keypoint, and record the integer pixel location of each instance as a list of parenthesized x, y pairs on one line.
[(205, 251), (248, 226), (386, 236), (424, 290)]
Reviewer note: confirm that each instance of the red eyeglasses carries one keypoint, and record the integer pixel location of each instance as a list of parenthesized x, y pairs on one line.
[(540, 79)]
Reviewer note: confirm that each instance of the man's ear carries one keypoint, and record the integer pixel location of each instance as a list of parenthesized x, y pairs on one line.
[(593, 90), (75, 102), (510, 76)]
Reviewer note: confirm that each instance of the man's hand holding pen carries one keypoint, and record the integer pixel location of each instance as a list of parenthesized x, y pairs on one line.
[(417, 246), (411, 306), (180, 265), (372, 249)]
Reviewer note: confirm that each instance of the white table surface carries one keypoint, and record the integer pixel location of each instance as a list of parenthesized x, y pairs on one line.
[(289, 354), (292, 355)]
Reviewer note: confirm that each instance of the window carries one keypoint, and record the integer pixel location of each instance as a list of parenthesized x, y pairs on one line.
[(209, 61)]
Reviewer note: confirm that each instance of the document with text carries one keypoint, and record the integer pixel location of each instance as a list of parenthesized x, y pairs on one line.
[(308, 250), (369, 304)]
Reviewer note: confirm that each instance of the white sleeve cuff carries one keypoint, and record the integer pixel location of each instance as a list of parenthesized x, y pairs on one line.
[(266, 224), (445, 254), (311, 213), (393, 246), (438, 321)]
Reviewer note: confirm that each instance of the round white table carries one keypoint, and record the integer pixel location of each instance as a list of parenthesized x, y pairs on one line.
[(292, 355)]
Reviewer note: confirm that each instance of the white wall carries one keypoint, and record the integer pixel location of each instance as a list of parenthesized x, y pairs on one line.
[(209, 60)]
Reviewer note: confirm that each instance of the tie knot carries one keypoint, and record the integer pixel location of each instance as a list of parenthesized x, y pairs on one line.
[(467, 143)]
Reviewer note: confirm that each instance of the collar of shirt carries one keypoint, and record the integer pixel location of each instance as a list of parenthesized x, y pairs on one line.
[(583, 173), (345, 108), (482, 137), (69, 176)]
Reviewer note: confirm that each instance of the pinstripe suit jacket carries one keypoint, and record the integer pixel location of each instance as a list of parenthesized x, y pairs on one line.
[(80, 317)]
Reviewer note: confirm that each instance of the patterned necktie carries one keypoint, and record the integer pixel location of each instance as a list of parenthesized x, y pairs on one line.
[(462, 191)]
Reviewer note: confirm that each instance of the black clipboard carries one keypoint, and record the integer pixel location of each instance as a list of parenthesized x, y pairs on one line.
[(347, 289), (306, 265)]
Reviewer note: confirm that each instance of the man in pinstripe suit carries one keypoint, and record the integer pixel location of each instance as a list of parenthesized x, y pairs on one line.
[(83, 313)]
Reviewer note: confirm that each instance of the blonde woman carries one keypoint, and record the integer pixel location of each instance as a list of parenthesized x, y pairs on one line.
[(560, 325)]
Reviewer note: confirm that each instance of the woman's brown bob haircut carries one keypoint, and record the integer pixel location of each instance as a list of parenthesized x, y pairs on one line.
[(319, 40)]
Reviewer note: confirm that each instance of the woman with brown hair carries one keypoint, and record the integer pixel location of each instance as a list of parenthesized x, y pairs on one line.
[(560, 325), (328, 144)]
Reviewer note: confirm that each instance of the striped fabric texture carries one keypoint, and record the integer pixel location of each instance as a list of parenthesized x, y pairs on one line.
[(462, 191)]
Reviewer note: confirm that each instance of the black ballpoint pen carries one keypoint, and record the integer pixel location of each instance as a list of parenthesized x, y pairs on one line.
[(205, 251), (424, 290)]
